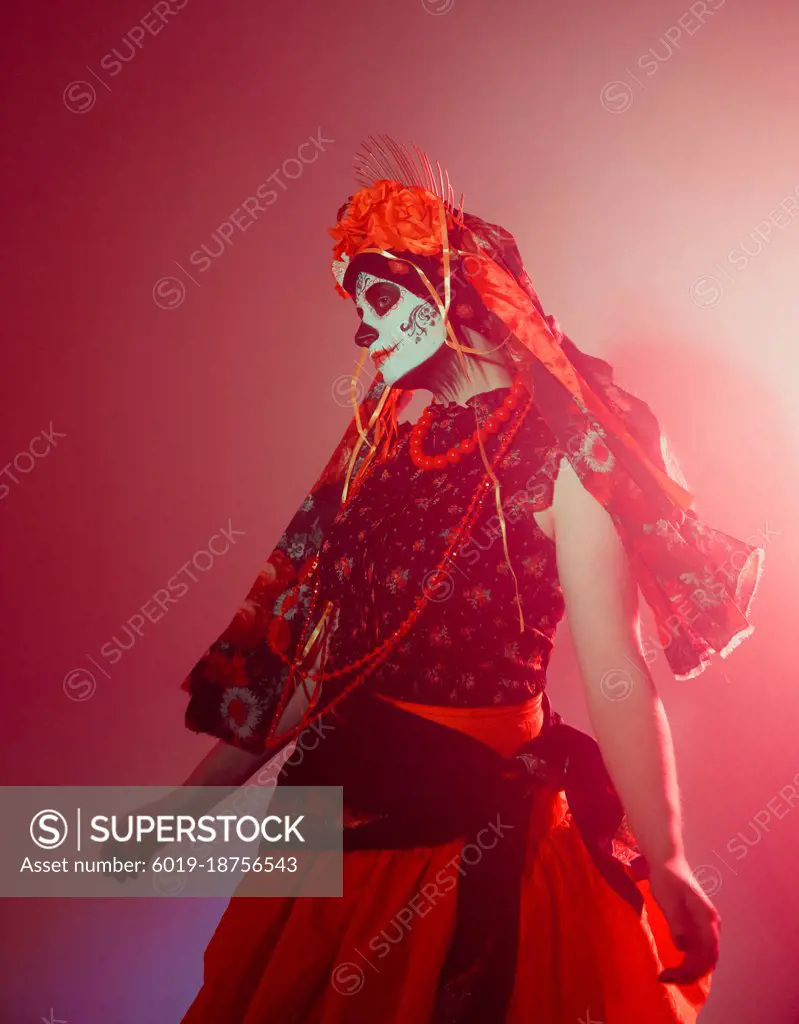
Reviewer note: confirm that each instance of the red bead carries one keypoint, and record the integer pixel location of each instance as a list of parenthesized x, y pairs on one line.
[(503, 415), (453, 455), (491, 425), (461, 532)]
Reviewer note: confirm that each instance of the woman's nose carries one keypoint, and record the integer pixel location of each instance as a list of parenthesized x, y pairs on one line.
[(365, 335)]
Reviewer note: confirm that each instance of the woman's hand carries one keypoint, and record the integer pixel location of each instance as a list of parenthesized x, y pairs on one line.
[(692, 919)]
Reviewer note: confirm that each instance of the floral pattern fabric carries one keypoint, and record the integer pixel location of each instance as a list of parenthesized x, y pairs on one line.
[(467, 649), (235, 686)]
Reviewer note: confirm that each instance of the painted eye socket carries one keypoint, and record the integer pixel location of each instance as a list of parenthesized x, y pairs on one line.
[(383, 296)]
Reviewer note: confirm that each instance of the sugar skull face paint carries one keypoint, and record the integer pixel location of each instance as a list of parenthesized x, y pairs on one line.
[(400, 329)]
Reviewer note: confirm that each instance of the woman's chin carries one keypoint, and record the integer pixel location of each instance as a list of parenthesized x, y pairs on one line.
[(395, 376), (396, 381), (411, 378)]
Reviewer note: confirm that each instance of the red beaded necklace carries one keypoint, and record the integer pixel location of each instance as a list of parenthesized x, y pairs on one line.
[(491, 425), (370, 661)]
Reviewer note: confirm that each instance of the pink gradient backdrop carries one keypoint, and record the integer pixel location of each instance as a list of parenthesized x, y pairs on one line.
[(222, 409)]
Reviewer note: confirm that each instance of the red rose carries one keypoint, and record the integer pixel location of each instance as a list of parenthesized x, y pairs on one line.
[(390, 216)]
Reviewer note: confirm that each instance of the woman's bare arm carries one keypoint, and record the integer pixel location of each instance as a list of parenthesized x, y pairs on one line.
[(223, 769), (626, 712)]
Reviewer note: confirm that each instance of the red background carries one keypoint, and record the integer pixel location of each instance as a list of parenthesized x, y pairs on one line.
[(179, 420)]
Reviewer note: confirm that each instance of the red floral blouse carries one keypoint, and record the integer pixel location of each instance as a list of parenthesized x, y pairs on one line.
[(378, 553), (467, 649)]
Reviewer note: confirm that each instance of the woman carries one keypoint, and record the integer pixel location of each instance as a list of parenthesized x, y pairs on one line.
[(490, 868)]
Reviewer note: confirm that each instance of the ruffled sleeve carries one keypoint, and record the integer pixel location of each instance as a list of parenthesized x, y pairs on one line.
[(699, 583), (235, 688)]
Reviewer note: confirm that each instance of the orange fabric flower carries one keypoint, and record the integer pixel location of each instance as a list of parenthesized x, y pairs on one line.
[(389, 216)]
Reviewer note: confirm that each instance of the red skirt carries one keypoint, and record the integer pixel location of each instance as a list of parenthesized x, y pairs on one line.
[(375, 955)]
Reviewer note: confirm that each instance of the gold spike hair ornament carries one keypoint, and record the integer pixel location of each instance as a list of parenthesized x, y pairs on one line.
[(383, 158)]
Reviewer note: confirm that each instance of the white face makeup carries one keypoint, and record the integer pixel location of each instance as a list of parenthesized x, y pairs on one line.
[(401, 330)]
